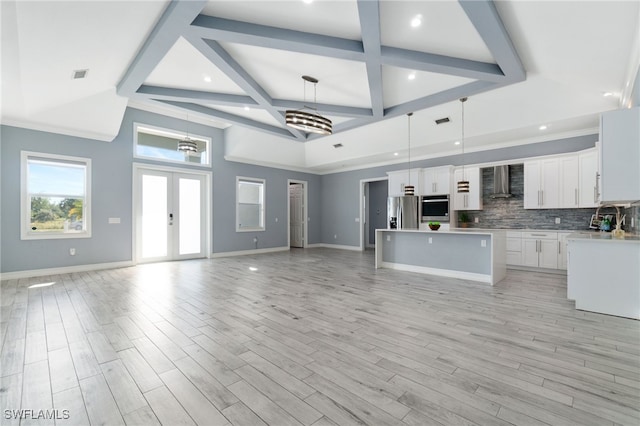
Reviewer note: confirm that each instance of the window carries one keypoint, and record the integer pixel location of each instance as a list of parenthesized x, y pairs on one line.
[(162, 144), (249, 204), (56, 201)]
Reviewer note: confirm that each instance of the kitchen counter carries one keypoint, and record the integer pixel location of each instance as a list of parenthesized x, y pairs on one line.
[(603, 273), (471, 254)]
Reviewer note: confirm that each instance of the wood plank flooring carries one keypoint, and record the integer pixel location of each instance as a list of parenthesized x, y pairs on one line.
[(313, 337)]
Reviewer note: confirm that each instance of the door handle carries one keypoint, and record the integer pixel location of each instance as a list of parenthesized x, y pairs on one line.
[(559, 247), (170, 218)]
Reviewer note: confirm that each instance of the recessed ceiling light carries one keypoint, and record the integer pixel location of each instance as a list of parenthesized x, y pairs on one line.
[(416, 21), (607, 94), (247, 108), (308, 1), (207, 79), (396, 154), (456, 143), (412, 76), (543, 127)]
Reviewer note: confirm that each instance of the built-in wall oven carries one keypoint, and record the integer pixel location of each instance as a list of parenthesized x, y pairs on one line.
[(434, 208)]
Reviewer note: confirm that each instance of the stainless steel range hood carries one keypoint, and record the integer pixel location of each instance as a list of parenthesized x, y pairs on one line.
[(501, 182)]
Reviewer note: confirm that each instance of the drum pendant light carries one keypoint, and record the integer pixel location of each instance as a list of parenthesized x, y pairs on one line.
[(463, 185), (311, 122), (187, 145)]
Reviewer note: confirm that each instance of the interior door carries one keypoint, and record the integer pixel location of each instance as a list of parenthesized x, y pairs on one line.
[(170, 216), (296, 215)]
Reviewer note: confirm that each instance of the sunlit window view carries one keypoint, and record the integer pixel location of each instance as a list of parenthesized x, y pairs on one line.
[(250, 207), (56, 195), (162, 145), (189, 216)]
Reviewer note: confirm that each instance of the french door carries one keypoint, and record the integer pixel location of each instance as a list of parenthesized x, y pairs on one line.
[(171, 215)]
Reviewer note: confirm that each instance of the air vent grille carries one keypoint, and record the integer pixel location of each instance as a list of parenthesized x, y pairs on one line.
[(338, 145), (79, 74), (442, 120)]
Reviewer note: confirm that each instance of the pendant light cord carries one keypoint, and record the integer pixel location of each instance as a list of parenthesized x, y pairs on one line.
[(409, 139)]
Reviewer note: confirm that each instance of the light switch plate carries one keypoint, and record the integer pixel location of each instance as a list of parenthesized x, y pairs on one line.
[(113, 220)]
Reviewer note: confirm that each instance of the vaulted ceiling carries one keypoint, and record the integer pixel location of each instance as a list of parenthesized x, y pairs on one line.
[(239, 63)]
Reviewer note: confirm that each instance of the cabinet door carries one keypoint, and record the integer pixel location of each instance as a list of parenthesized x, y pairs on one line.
[(549, 184), (530, 252), (562, 250), (569, 182), (588, 172), (532, 185), (474, 197), (398, 180), (548, 254), (442, 179), (620, 155), (426, 182)]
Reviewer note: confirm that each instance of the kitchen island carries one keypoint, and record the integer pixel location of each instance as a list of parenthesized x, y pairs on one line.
[(603, 273), (458, 253)]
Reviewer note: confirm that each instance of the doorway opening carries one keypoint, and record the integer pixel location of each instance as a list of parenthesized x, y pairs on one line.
[(297, 213), (171, 214), (373, 209)]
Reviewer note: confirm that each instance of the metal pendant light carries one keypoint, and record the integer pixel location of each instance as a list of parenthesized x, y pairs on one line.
[(187, 145), (409, 189), (463, 185), (311, 122)]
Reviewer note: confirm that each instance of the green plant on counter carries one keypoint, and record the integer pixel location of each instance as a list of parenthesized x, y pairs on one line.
[(434, 223), (463, 217)]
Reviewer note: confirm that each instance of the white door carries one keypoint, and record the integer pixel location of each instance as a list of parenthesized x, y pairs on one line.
[(170, 216), (296, 215)]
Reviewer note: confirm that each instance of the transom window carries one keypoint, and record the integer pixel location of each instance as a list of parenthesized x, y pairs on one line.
[(55, 196), (249, 204), (162, 144)]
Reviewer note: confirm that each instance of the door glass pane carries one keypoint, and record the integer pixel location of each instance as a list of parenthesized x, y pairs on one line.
[(154, 216), (189, 216)]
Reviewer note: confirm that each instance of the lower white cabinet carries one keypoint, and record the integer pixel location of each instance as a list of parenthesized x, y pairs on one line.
[(562, 249), (514, 248), (540, 249)]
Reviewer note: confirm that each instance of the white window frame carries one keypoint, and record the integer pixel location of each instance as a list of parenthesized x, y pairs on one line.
[(262, 210), (161, 131), (25, 197)]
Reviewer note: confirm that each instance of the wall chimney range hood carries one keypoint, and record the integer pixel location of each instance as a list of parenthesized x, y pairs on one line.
[(501, 182)]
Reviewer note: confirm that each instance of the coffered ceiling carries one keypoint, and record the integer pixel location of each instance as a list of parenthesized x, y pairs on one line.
[(523, 64)]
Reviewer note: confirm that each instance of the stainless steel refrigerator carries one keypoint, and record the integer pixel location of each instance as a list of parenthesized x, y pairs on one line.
[(402, 212)]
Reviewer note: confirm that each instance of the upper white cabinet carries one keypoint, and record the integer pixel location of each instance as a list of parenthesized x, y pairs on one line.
[(471, 200), (399, 178), (588, 169), (569, 183), (620, 155), (541, 189), (436, 181)]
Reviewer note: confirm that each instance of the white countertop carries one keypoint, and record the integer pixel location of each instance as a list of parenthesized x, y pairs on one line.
[(451, 231), (603, 236)]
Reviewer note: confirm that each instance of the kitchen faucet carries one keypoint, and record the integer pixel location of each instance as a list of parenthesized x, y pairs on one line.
[(619, 218)]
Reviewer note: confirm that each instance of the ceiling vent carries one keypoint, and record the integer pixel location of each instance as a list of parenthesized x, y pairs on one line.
[(79, 74), (338, 145), (442, 120)]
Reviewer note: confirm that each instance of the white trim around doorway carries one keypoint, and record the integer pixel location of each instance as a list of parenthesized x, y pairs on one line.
[(361, 202), (135, 201), (305, 187)]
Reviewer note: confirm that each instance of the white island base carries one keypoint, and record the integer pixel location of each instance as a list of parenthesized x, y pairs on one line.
[(468, 255)]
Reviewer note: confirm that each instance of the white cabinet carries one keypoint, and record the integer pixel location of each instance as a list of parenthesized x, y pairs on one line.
[(540, 249), (399, 178), (436, 181), (514, 248), (569, 182), (588, 179), (620, 155), (562, 249), (471, 200), (541, 189)]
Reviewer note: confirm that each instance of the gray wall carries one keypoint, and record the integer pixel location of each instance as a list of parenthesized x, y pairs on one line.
[(112, 197), (340, 191), (378, 193)]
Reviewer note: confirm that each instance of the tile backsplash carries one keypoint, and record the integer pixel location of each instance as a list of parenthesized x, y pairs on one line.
[(509, 213)]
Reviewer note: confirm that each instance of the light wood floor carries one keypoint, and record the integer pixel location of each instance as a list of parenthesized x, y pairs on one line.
[(313, 337)]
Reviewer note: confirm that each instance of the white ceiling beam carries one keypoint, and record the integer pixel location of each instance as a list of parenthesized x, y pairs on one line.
[(485, 18), (369, 14), (176, 17), (186, 95)]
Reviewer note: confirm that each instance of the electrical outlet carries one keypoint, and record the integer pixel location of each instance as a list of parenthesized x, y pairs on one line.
[(357, 219), (388, 237), (335, 236), (483, 243), (476, 219), (276, 220), (255, 239), (430, 240), (557, 221), (72, 251)]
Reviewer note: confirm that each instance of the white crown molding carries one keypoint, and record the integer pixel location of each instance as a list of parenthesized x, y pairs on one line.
[(41, 127)]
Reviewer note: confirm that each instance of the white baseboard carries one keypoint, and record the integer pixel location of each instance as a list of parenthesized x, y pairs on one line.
[(247, 252), (440, 272), (64, 270), (335, 246)]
